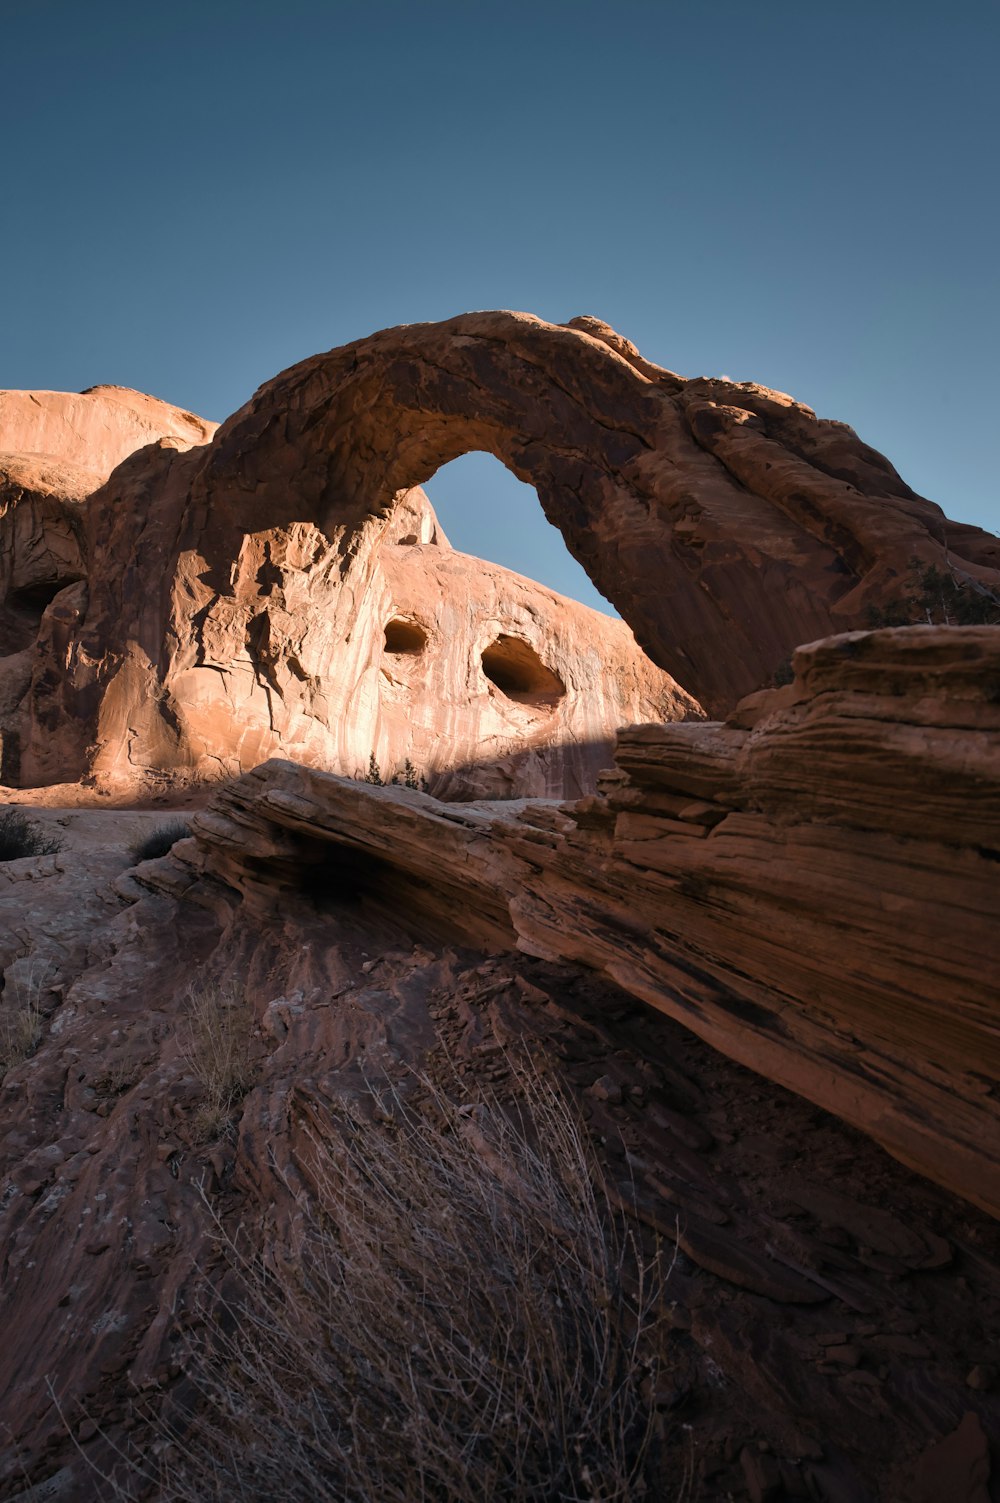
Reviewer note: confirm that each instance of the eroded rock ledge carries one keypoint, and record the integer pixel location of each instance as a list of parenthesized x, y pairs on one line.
[(811, 885)]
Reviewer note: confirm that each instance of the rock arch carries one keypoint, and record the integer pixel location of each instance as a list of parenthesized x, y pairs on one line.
[(725, 522)]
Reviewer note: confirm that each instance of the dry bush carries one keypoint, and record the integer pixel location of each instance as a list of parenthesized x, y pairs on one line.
[(158, 842), (22, 1021), (465, 1318), (217, 1050), (20, 1030), (20, 837)]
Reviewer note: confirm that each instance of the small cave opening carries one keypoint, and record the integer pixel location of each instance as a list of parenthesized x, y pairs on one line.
[(22, 610), (33, 598), (405, 638), (518, 672)]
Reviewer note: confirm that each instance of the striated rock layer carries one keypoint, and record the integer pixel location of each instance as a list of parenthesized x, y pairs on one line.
[(214, 603), (811, 886)]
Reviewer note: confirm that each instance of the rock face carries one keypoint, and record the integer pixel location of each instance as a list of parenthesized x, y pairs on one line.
[(727, 523), (56, 450), (463, 676), (810, 886), (455, 673), (95, 429)]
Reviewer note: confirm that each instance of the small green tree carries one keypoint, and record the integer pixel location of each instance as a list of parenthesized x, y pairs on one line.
[(373, 775), (937, 597)]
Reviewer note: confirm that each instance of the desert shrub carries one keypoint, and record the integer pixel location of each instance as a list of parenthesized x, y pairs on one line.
[(217, 1049), (20, 837), (20, 1030), (937, 597), (374, 774), (159, 841), (783, 674), (463, 1317)]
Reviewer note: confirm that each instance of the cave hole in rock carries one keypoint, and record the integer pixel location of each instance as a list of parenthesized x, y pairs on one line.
[(21, 613), (405, 638), (34, 598), (515, 668)]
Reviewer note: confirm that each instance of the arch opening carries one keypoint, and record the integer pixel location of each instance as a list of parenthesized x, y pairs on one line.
[(405, 638), (518, 672), (488, 512)]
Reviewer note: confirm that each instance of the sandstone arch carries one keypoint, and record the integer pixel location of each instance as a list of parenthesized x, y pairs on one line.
[(725, 522)]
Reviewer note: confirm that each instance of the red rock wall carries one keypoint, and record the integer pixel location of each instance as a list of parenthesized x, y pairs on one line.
[(811, 886)]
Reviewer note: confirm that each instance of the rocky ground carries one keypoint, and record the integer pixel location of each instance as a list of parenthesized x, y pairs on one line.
[(832, 1317)]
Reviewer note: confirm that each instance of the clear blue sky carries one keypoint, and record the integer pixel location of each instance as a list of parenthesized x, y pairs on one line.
[(804, 194)]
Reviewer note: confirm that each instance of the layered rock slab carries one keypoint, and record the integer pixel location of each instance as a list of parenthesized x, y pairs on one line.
[(810, 886)]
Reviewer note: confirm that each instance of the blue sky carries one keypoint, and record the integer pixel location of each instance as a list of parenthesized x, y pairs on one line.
[(803, 194)]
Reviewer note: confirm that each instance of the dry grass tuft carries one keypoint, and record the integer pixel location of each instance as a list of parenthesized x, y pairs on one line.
[(21, 1027), (217, 1050), (22, 1021), (465, 1317)]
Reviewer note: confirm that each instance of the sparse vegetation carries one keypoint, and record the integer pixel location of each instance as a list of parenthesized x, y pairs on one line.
[(20, 1031), (20, 837), (936, 597), (218, 1052), (464, 1316), (119, 1077), (159, 841), (409, 777), (783, 674)]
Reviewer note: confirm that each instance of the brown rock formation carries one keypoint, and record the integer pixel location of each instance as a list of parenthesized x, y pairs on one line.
[(727, 523), (96, 429), (826, 1307), (56, 450), (810, 886), (484, 682)]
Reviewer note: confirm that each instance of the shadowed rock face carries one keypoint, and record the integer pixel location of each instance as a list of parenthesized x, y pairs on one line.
[(727, 523), (810, 886)]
